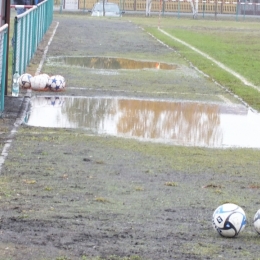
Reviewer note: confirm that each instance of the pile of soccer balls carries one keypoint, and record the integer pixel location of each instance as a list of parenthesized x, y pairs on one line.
[(229, 220), (42, 82)]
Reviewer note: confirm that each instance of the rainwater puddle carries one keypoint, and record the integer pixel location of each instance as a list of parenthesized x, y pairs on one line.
[(177, 123), (109, 63)]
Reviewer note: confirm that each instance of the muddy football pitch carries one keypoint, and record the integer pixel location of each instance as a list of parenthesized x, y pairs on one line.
[(72, 194)]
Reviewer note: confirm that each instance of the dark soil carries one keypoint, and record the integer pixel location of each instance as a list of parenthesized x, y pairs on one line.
[(68, 194)]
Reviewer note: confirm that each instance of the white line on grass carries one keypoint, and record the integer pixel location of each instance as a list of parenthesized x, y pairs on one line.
[(221, 65), (46, 50), (6, 147)]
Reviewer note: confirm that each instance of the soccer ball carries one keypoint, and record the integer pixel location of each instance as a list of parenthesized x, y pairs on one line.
[(229, 220), (257, 221), (40, 82), (25, 81), (57, 83), (45, 75)]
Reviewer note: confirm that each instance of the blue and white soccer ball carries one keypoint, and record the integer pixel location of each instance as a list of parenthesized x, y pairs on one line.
[(257, 221), (57, 83), (25, 81), (229, 220)]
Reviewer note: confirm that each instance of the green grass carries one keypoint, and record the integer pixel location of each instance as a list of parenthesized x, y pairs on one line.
[(234, 44)]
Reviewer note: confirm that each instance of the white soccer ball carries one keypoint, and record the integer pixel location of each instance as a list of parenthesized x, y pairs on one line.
[(229, 220), (25, 81), (57, 83), (39, 82), (45, 75), (257, 221)]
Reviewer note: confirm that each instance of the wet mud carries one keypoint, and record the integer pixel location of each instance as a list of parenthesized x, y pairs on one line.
[(72, 194)]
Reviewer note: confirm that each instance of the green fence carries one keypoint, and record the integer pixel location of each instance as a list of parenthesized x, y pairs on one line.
[(3, 59), (236, 7), (29, 29)]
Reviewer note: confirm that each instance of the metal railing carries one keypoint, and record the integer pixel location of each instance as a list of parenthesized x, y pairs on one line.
[(240, 7), (29, 29), (3, 59)]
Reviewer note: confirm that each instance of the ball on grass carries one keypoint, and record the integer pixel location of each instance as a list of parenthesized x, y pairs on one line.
[(229, 220), (56, 83), (25, 81), (40, 82), (257, 221)]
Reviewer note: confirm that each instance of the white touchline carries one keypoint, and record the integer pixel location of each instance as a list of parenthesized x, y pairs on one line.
[(45, 51), (4, 153), (221, 65)]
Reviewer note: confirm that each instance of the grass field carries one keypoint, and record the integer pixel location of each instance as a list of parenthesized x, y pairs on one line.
[(234, 44)]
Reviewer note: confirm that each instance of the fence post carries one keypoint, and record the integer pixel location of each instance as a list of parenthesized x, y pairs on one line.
[(244, 9), (84, 9), (163, 7), (178, 9), (61, 5), (216, 9), (203, 8), (237, 11), (4, 32), (15, 46)]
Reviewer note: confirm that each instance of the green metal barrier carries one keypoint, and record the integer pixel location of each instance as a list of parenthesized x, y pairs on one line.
[(3, 58), (29, 29)]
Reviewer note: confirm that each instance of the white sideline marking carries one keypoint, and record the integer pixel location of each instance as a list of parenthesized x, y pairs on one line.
[(46, 50), (221, 65), (6, 147), (226, 100)]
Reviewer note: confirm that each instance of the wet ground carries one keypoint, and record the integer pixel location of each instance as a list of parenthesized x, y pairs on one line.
[(185, 123), (73, 194), (13, 108)]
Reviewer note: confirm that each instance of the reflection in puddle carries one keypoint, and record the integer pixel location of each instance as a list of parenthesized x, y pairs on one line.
[(110, 63), (178, 123)]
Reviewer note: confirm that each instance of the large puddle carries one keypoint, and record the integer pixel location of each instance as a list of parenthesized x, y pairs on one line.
[(110, 63), (177, 123)]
